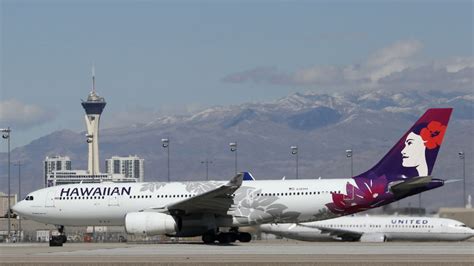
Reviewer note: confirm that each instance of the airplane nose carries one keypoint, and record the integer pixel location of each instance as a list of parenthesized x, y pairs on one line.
[(17, 208)]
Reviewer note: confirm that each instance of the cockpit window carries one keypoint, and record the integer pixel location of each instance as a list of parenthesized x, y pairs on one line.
[(29, 198)]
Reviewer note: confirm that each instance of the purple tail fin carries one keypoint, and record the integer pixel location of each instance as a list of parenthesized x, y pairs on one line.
[(404, 171), (415, 153)]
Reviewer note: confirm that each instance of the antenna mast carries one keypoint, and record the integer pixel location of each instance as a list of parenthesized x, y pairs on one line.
[(93, 78)]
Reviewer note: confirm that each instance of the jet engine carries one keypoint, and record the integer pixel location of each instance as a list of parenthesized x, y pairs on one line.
[(373, 237), (150, 223)]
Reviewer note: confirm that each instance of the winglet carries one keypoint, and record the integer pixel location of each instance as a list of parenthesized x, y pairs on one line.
[(236, 180)]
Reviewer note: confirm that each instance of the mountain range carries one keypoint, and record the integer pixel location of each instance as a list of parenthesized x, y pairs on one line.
[(322, 125)]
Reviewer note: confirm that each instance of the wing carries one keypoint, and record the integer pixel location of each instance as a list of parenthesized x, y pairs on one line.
[(217, 201), (342, 233)]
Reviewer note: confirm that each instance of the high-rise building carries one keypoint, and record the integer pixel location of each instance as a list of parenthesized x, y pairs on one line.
[(55, 163), (131, 166), (93, 107)]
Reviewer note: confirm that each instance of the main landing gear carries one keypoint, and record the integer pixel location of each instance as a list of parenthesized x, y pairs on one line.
[(226, 237), (59, 240)]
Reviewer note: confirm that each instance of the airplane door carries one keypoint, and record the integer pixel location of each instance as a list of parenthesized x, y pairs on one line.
[(113, 201), (49, 199)]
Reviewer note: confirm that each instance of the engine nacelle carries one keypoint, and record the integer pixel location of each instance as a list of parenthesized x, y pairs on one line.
[(150, 223), (373, 237)]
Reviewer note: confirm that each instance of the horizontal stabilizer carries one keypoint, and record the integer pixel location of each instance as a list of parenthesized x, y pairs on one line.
[(402, 187), (452, 181)]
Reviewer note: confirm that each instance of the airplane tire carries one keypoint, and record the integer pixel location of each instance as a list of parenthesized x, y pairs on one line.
[(224, 238), (208, 238), (55, 241), (63, 238), (245, 237)]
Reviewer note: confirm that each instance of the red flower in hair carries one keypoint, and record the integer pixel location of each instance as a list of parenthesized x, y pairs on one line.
[(433, 134)]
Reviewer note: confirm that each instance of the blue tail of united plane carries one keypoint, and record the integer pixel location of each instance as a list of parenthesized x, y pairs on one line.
[(248, 176)]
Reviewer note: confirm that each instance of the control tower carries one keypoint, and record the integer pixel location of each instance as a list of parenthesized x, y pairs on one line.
[(93, 107)]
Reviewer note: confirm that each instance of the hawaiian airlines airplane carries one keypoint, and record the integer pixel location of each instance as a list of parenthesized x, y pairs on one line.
[(374, 229), (216, 209)]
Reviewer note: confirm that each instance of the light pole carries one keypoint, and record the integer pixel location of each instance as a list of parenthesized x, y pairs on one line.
[(6, 135), (165, 143), (19, 198), (462, 156), (349, 155), (294, 151), (233, 148), (207, 162)]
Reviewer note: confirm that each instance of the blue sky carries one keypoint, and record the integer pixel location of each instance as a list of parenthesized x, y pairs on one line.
[(160, 57)]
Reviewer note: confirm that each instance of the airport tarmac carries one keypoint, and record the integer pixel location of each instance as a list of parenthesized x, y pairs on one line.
[(277, 252)]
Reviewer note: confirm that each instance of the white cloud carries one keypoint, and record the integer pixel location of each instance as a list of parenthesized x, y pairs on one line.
[(394, 53), (394, 66), (20, 115), (456, 64)]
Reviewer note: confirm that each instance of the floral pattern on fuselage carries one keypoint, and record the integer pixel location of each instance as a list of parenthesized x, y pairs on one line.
[(366, 194), (256, 209), (152, 186)]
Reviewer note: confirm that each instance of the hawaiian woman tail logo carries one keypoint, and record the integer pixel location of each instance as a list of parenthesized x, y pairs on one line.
[(422, 140), (410, 159)]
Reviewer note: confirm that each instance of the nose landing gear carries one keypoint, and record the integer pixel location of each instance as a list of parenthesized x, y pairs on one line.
[(59, 240)]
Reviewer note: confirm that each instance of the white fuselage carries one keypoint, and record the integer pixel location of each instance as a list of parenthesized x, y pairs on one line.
[(255, 202), (391, 227)]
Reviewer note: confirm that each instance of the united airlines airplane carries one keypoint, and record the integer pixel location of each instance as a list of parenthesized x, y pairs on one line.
[(374, 229), (215, 209)]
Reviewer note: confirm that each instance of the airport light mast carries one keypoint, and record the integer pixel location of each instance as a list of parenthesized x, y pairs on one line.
[(349, 154), (6, 135), (165, 143), (462, 156), (93, 107), (233, 148), (294, 151)]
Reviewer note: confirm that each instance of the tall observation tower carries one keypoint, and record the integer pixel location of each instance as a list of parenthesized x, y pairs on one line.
[(93, 107)]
